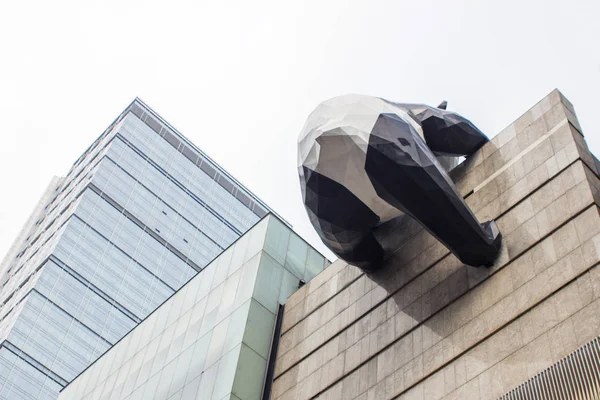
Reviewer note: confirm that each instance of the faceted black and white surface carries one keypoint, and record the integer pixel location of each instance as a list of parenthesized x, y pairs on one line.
[(364, 161)]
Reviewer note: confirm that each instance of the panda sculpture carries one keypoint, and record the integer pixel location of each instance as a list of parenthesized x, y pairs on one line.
[(364, 161)]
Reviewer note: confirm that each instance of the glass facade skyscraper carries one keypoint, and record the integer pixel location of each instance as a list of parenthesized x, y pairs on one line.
[(139, 213)]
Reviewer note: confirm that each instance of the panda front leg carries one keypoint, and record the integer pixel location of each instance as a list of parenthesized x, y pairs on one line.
[(344, 223), (360, 249), (406, 174)]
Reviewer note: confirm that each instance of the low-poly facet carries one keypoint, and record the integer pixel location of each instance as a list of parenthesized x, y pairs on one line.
[(364, 161)]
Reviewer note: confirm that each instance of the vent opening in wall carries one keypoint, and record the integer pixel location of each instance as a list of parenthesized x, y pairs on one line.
[(577, 376)]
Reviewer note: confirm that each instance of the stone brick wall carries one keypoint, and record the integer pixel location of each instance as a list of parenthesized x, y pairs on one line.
[(429, 327)]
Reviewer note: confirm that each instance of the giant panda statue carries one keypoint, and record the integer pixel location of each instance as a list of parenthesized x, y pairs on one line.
[(364, 161)]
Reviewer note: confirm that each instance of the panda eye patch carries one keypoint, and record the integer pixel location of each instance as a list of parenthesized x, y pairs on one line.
[(404, 142)]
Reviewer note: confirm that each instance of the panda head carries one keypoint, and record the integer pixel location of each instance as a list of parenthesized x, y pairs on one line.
[(335, 139), (351, 115)]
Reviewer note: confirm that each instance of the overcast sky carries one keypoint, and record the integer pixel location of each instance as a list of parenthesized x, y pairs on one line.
[(238, 78)]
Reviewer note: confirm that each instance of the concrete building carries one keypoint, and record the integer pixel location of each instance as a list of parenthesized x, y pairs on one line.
[(213, 338), (429, 327), (141, 212)]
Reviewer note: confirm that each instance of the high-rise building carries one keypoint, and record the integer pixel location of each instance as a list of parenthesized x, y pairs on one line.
[(139, 213)]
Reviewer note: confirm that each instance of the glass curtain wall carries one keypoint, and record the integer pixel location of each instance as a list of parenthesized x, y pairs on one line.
[(140, 213)]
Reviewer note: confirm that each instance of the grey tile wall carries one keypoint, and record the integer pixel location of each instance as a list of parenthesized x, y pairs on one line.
[(212, 338)]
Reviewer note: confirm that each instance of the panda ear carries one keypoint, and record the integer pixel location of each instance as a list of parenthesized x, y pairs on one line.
[(443, 105)]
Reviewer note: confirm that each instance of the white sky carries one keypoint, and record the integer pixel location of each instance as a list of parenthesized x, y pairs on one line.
[(238, 78)]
